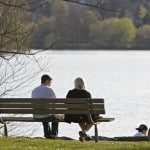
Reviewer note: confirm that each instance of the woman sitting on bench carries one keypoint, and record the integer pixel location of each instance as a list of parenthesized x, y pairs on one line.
[(80, 92)]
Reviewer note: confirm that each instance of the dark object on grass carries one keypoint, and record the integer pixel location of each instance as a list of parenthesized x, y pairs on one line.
[(131, 138)]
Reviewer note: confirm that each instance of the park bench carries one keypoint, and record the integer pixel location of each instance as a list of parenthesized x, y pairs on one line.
[(23, 106)]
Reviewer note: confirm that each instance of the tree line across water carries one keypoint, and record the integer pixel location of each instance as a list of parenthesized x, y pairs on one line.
[(81, 27)]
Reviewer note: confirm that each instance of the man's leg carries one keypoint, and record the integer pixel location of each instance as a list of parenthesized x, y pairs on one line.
[(55, 124), (46, 129), (54, 129)]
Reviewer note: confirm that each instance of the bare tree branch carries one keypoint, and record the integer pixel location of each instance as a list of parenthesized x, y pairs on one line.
[(15, 55), (98, 5), (34, 5)]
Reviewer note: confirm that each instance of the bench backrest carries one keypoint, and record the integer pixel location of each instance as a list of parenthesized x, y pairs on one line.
[(48, 106)]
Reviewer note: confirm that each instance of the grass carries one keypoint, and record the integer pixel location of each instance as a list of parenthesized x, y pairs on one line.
[(43, 144)]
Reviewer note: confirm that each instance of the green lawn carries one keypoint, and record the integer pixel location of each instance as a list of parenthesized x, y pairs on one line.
[(46, 144)]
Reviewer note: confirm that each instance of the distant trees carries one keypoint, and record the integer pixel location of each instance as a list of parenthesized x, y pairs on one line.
[(113, 33), (40, 33), (78, 26), (143, 37)]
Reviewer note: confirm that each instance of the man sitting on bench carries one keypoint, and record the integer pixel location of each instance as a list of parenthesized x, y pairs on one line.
[(44, 91)]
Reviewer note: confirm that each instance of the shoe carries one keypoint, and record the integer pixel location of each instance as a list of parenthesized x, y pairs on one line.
[(81, 139), (88, 138), (82, 134), (51, 137)]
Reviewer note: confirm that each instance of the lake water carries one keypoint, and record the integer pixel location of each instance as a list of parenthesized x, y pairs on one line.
[(121, 78)]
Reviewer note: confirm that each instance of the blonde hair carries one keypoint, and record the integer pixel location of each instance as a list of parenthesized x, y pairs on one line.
[(79, 84)]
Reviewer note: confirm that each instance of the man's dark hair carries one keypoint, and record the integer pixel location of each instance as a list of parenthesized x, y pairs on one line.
[(44, 78)]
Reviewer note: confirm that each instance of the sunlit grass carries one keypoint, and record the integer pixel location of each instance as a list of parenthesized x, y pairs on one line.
[(45, 144)]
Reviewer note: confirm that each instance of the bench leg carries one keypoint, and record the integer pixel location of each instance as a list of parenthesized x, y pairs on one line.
[(5, 130), (5, 127), (96, 133)]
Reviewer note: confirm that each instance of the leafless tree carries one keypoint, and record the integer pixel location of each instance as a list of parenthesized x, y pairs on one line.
[(18, 64), (15, 29), (15, 54)]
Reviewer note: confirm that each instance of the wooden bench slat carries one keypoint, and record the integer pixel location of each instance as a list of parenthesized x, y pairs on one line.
[(96, 106), (41, 100), (43, 111), (95, 100), (57, 105), (24, 119), (31, 119), (100, 111), (105, 119)]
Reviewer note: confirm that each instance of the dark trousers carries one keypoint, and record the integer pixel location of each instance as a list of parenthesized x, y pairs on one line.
[(50, 131)]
